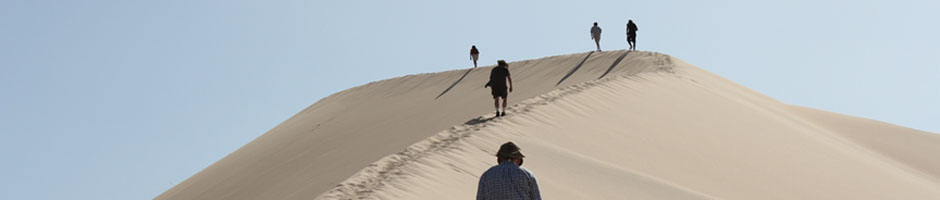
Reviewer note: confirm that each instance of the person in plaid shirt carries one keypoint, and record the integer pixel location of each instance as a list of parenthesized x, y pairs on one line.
[(508, 180)]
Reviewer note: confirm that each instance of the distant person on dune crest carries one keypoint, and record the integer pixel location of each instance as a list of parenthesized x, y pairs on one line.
[(596, 35), (474, 55), (497, 84), (631, 34), (508, 179)]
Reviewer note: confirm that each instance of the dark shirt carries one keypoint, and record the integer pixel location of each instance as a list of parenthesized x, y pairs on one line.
[(498, 77), (631, 28), (474, 51)]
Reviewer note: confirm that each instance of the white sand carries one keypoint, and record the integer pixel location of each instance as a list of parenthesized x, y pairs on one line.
[(653, 128)]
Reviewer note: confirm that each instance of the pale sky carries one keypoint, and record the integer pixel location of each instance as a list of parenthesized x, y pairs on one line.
[(123, 99)]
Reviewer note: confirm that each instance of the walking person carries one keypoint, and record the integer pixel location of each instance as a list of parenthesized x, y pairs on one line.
[(474, 55), (596, 35), (631, 34), (508, 179), (498, 77)]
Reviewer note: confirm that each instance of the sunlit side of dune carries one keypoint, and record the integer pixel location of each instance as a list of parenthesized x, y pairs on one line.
[(599, 125)]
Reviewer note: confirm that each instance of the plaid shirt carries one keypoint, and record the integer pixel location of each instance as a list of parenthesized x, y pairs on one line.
[(508, 181)]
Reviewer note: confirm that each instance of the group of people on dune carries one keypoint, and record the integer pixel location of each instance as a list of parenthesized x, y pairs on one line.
[(500, 74), (508, 179)]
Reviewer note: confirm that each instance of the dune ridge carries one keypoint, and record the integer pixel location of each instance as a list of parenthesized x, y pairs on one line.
[(337, 136), (375, 176), (596, 125), (867, 171)]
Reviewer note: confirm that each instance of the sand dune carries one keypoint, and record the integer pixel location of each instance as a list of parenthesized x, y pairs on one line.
[(600, 125)]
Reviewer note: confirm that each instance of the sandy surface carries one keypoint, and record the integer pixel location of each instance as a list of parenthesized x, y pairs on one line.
[(601, 125)]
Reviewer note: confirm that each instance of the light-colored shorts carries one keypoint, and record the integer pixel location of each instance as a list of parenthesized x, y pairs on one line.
[(475, 56)]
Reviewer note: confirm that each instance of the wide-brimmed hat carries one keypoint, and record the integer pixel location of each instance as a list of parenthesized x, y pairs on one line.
[(509, 150), (501, 63)]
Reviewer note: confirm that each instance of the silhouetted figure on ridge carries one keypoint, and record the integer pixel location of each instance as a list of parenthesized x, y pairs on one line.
[(631, 34), (474, 55), (596, 35)]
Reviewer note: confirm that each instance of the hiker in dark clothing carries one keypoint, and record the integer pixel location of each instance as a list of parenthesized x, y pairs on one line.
[(474, 55), (497, 84), (631, 34)]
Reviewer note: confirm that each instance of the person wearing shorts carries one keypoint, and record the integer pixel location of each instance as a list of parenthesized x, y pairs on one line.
[(474, 55), (497, 84)]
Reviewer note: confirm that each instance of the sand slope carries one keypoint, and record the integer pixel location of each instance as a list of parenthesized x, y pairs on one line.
[(606, 125)]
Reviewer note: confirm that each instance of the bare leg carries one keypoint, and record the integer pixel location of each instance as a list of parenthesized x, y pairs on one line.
[(496, 104), (598, 43), (504, 105), (474, 63)]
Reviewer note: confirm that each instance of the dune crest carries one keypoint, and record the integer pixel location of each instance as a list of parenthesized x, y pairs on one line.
[(370, 181), (598, 125)]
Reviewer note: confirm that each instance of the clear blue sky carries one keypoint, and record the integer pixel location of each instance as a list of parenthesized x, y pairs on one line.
[(122, 99)]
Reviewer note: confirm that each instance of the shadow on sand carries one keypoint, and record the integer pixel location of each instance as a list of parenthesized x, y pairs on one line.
[(575, 69), (455, 83), (615, 64), (479, 120)]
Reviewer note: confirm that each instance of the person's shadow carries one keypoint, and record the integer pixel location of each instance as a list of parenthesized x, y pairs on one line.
[(479, 120), (574, 70), (614, 65), (455, 83)]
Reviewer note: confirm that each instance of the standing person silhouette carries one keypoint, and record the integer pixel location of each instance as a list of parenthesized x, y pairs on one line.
[(497, 84), (631, 34), (474, 55), (596, 35)]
